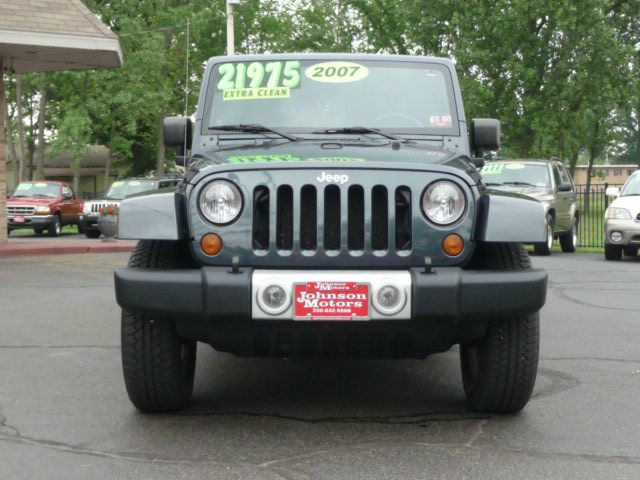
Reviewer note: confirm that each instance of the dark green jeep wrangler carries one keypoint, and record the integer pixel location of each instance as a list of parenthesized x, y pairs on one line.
[(331, 206)]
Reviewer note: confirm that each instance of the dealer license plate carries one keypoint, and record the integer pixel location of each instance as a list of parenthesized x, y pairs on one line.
[(331, 301), (19, 220)]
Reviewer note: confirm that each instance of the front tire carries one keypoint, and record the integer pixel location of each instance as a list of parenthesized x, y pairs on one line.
[(612, 252), (545, 247), (158, 365), (55, 228), (499, 370), (89, 233)]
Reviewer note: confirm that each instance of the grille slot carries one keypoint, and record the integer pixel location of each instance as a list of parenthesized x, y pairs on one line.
[(379, 218), (20, 210), (332, 215), (355, 217), (308, 218), (403, 218), (260, 238), (284, 219)]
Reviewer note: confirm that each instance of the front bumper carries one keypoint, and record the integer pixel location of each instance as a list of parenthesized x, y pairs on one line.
[(630, 230), (31, 221), (213, 295)]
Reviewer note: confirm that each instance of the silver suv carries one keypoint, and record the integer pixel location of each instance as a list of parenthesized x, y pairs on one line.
[(548, 182)]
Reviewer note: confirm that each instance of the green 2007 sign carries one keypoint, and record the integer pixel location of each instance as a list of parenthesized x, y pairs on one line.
[(254, 75)]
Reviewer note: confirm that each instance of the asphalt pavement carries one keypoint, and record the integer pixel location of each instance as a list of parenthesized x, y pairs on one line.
[(64, 413)]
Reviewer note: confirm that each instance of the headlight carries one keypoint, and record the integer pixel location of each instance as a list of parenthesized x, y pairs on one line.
[(220, 202), (42, 211), (443, 202), (86, 208), (614, 213)]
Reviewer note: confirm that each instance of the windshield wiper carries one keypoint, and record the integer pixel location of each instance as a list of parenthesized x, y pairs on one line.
[(525, 184), (492, 184), (253, 128), (362, 130)]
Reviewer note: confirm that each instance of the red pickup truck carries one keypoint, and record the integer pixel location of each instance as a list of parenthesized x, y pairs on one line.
[(43, 205)]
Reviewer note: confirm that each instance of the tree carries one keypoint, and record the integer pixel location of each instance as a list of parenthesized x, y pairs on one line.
[(73, 136)]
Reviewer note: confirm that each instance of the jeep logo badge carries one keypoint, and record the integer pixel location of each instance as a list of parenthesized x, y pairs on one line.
[(328, 178)]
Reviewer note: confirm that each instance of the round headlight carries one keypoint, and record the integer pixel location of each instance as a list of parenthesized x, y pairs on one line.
[(443, 202), (220, 202)]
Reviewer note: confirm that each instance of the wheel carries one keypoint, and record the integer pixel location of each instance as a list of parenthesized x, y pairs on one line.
[(89, 233), (80, 229), (612, 252), (158, 365), (56, 226), (499, 370), (569, 241), (544, 248), (38, 231), (630, 251)]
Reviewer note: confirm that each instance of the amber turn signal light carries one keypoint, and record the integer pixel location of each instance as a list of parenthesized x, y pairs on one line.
[(453, 245), (211, 244)]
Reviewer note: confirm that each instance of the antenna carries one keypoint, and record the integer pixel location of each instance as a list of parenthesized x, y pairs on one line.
[(186, 99)]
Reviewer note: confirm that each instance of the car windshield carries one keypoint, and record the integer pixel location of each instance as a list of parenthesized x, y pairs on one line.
[(516, 174), (36, 190), (126, 188), (632, 187), (310, 95)]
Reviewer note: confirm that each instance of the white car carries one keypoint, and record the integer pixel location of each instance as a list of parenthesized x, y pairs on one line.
[(622, 220)]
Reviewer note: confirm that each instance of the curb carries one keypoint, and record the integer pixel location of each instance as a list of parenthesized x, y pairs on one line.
[(9, 250)]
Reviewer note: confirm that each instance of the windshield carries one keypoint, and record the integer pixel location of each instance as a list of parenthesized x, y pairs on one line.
[(125, 188), (632, 187), (309, 95), (517, 174), (36, 190)]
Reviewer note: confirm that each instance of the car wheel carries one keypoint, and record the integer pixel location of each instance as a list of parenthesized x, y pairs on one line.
[(569, 241), (38, 231), (92, 233), (158, 365), (499, 370), (630, 251), (56, 226), (544, 248), (612, 252)]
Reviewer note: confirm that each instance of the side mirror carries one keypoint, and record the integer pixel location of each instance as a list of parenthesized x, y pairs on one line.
[(612, 192), (564, 188), (67, 196), (178, 133), (485, 134)]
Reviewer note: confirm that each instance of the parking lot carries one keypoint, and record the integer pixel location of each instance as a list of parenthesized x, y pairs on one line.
[(64, 412)]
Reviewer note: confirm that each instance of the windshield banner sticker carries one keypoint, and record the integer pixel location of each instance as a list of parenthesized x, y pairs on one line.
[(287, 158), (24, 186), (258, 80), (492, 169), (440, 120), (336, 72)]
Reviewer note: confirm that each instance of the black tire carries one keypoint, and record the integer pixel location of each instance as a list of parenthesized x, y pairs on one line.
[(544, 248), (89, 233), (158, 365), (38, 231), (55, 228), (612, 252), (569, 241), (499, 370), (630, 251)]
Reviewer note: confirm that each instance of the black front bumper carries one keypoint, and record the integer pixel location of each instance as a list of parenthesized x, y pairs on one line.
[(32, 221), (216, 294)]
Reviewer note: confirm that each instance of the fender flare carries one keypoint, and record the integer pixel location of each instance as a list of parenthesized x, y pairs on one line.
[(512, 217), (153, 216)]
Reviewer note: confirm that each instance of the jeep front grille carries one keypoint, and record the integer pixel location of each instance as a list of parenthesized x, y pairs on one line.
[(332, 218), (20, 210)]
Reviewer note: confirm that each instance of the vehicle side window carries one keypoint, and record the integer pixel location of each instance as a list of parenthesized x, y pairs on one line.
[(66, 193), (566, 178), (556, 176)]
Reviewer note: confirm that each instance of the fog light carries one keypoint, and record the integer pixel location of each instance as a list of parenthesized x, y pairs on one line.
[(273, 298), (616, 237), (389, 298), (211, 244), (453, 245)]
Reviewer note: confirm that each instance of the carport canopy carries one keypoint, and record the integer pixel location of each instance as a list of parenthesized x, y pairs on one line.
[(44, 36)]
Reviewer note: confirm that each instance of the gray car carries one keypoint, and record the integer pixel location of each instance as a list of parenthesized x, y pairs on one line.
[(548, 182), (622, 220)]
